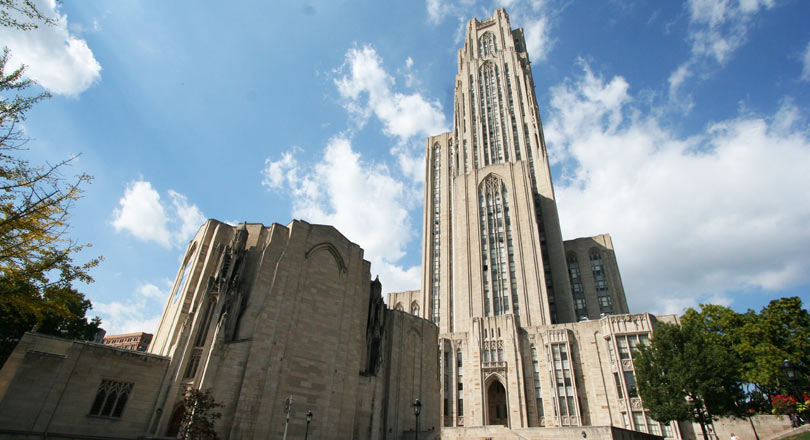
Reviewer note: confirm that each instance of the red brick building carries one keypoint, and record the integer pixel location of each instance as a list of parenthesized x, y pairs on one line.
[(130, 341)]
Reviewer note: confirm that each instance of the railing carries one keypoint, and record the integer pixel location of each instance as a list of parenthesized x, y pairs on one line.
[(490, 366)]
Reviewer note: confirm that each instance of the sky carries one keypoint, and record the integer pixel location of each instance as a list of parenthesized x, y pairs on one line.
[(680, 128)]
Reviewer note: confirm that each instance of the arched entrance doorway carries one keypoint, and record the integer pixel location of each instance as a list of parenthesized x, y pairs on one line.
[(496, 404), (174, 423)]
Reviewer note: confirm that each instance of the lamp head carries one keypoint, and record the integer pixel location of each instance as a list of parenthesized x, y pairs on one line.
[(417, 407), (309, 416), (789, 369)]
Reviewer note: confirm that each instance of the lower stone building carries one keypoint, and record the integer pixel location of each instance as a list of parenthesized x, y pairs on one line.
[(257, 315)]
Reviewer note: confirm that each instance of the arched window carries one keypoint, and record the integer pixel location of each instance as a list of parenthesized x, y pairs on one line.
[(415, 308), (497, 251), (487, 44), (399, 307)]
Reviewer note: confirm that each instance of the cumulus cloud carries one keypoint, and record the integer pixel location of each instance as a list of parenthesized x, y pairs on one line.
[(144, 215), (361, 199), (692, 217), (368, 90), (140, 312), (55, 57)]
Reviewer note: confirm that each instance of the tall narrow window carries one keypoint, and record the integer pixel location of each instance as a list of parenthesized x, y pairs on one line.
[(182, 281), (436, 232), (600, 281), (460, 375), (491, 98), (576, 286), (564, 382), (447, 384), (497, 251), (538, 392)]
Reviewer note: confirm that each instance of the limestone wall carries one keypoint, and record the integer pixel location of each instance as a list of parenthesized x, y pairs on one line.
[(49, 385)]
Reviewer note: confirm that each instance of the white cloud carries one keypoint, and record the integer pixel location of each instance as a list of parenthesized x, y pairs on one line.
[(692, 217), (149, 290), (278, 172), (144, 215), (56, 58), (361, 199), (717, 28), (678, 77), (806, 63), (538, 41), (139, 313), (368, 90), (436, 10), (189, 216)]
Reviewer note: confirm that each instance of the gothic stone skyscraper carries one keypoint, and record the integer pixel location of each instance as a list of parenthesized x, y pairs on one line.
[(529, 324)]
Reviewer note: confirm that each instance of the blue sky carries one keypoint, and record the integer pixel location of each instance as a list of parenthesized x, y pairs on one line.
[(679, 128)]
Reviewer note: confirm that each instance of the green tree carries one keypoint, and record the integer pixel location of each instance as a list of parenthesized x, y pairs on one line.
[(684, 374), (35, 202), (36, 255), (762, 342), (58, 311), (200, 416)]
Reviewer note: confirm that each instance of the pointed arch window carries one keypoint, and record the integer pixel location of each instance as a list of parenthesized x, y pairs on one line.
[(497, 250), (492, 115), (111, 397), (487, 44)]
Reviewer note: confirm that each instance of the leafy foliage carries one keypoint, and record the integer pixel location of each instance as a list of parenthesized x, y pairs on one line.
[(35, 202), (58, 311), (22, 14), (685, 375), (200, 416), (762, 342), (36, 256)]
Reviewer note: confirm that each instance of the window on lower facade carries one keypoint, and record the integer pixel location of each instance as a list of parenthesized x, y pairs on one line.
[(630, 381), (111, 398)]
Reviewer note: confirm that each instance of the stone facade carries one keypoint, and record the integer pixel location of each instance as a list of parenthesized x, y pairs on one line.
[(260, 314), (526, 319), (257, 315), (534, 330), (50, 386)]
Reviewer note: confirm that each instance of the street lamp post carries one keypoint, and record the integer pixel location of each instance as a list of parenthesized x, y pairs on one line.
[(309, 419), (417, 409), (790, 372)]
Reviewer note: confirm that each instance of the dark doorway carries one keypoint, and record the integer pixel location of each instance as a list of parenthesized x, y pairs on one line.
[(175, 421), (496, 404)]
